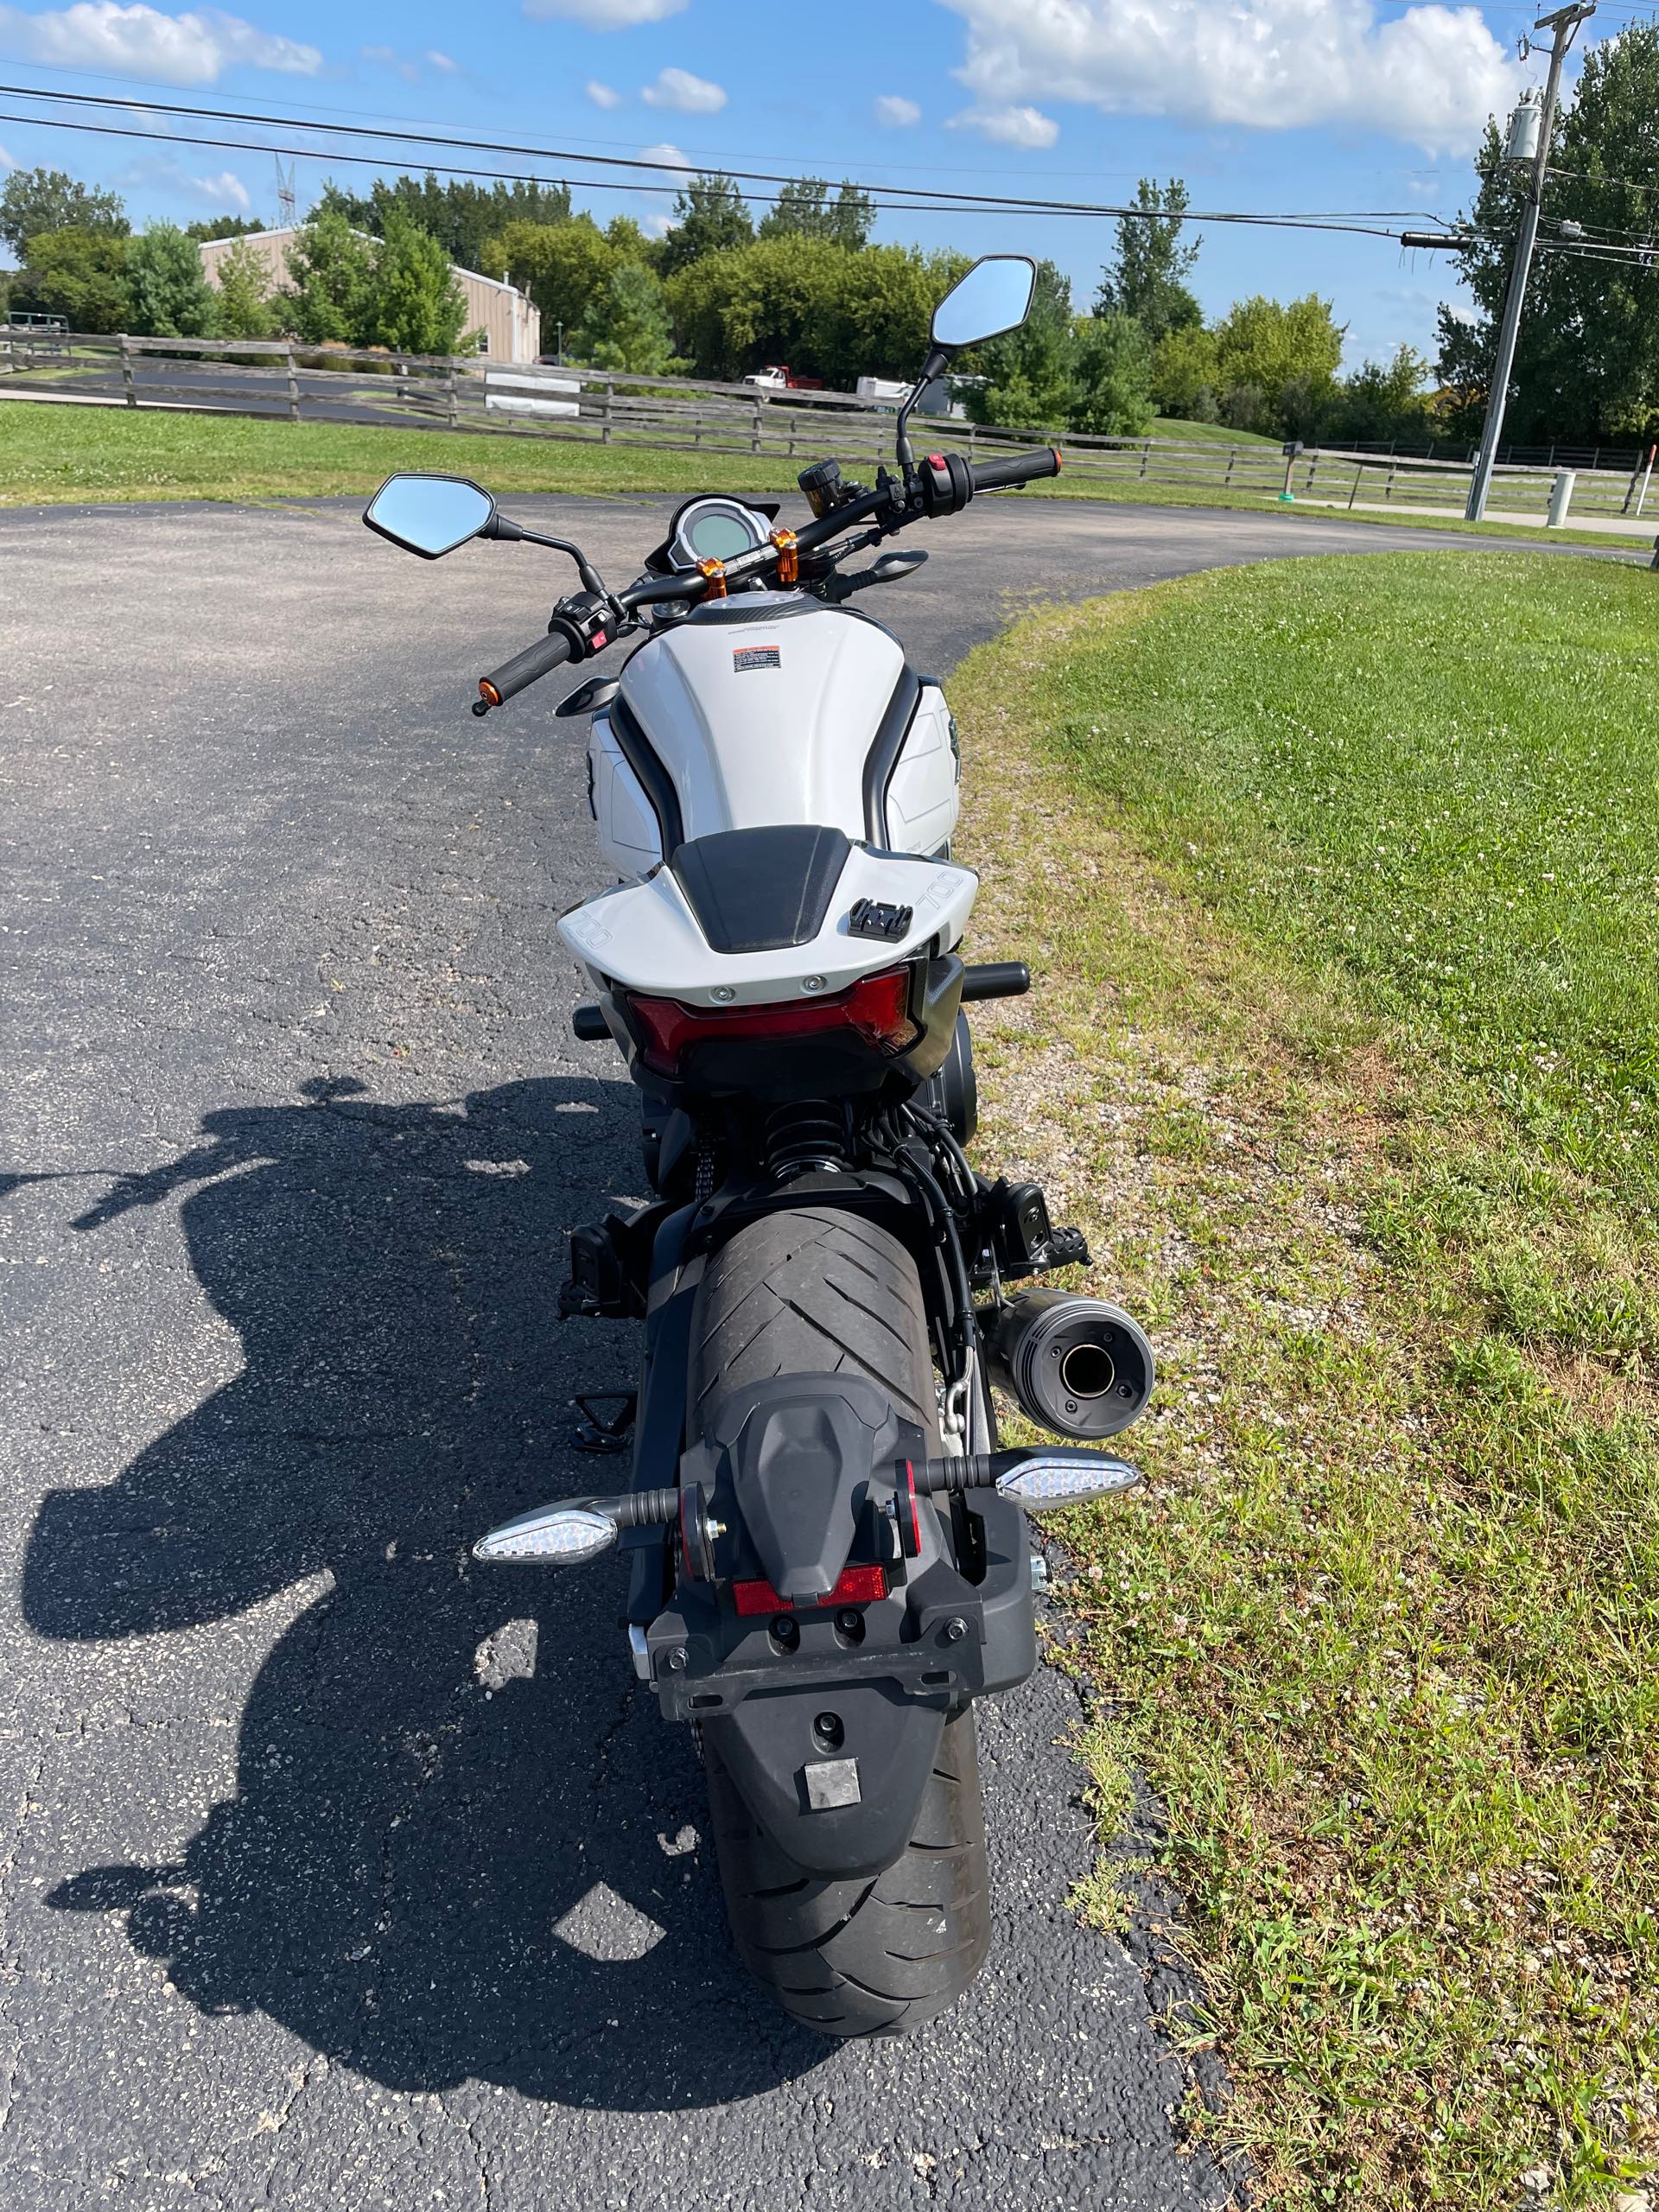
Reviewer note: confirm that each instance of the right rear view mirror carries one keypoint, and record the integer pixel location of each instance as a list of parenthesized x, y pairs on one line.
[(430, 515)]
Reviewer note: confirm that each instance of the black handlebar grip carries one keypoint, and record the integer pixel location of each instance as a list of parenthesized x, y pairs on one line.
[(1018, 468), (994, 979), (513, 676)]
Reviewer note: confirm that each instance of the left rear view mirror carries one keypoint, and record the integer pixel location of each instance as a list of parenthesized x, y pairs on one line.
[(994, 296), (430, 515)]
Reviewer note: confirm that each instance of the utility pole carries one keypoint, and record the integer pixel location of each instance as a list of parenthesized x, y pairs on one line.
[(1564, 23)]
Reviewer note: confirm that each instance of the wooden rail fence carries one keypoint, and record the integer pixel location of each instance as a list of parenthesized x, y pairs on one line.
[(277, 377)]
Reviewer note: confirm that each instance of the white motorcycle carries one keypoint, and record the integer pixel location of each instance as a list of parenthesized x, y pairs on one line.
[(829, 1558)]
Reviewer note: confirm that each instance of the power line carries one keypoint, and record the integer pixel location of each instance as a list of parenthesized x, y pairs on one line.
[(915, 199)]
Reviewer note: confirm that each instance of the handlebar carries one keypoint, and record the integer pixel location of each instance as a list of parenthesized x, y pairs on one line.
[(1018, 468), (523, 669), (888, 506)]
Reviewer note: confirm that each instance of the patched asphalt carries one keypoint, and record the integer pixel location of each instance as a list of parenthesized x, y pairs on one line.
[(334, 1873)]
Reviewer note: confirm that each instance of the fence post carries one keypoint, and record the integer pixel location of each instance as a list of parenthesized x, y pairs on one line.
[(1146, 456), (1232, 455), (604, 416), (1354, 493), (1387, 489), (292, 387), (1645, 475), (454, 401), (755, 434), (127, 384)]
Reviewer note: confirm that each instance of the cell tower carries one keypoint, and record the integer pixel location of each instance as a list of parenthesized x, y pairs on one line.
[(286, 203)]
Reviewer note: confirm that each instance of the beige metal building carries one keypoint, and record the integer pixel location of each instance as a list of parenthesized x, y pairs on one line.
[(512, 327)]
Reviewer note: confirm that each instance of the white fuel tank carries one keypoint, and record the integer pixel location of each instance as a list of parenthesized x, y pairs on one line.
[(771, 708)]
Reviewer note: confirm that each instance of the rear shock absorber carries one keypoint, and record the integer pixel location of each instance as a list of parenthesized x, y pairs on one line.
[(806, 1137)]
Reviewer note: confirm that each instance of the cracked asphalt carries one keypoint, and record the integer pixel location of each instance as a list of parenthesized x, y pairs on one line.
[(333, 1873)]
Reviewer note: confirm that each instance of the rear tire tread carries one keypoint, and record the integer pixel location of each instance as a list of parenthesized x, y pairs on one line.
[(771, 1304)]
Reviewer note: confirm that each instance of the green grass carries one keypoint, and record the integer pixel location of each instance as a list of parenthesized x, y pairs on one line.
[(1339, 879), (1132, 491), (1180, 430), (52, 454)]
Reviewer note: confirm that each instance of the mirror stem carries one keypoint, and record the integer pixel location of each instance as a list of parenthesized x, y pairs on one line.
[(936, 359), (500, 527)]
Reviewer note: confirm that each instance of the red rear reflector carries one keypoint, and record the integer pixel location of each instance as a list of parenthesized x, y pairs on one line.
[(876, 1009), (859, 1585)]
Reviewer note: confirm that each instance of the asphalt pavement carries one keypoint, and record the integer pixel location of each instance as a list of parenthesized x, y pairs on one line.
[(333, 1872)]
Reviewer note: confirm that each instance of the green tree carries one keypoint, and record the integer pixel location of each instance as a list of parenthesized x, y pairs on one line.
[(246, 309), (1185, 373), (1029, 373), (1587, 363), (35, 201), (628, 326), (415, 305), (1382, 400), (223, 227), (80, 275), (710, 216), (459, 214), (805, 209), (331, 268), (565, 267), (1147, 278), (629, 242), (171, 296), (1111, 377), (1276, 364), (810, 303)]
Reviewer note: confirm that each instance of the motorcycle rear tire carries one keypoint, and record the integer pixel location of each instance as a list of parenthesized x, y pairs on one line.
[(819, 1292)]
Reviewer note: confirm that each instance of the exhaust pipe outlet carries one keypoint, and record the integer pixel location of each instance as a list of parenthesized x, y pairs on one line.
[(1075, 1365)]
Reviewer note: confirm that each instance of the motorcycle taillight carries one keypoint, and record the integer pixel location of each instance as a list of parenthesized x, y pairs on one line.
[(876, 1010)]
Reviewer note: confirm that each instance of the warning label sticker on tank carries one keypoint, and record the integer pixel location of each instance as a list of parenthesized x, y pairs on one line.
[(754, 656)]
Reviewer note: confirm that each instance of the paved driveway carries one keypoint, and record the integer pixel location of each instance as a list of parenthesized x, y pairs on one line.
[(333, 1875)]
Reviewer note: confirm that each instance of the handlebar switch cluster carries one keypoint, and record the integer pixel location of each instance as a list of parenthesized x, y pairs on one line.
[(947, 481), (587, 620)]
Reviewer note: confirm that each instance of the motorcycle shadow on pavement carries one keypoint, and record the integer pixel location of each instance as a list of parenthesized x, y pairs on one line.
[(463, 1843)]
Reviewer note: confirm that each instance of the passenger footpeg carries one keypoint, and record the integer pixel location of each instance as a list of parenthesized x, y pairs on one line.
[(600, 1430)]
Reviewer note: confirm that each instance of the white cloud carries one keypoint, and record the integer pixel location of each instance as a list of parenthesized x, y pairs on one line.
[(6, 161), (605, 15), (1009, 126), (602, 95), (686, 94), (194, 49), (411, 67), (388, 57), (672, 154), (896, 112), (1430, 76), (166, 174), (223, 189)]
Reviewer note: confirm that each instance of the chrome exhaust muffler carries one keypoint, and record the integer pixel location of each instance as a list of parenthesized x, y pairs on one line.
[(1075, 1365)]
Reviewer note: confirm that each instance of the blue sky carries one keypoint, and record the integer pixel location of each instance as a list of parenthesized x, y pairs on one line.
[(1260, 105)]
